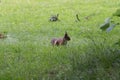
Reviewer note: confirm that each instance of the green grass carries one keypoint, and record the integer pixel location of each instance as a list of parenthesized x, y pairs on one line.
[(26, 54)]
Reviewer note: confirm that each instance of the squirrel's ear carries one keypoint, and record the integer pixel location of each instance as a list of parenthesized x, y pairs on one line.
[(66, 34)]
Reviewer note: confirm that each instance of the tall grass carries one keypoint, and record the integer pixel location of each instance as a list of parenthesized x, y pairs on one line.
[(26, 54)]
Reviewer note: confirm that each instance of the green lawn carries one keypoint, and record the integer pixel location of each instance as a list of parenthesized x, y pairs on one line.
[(27, 54)]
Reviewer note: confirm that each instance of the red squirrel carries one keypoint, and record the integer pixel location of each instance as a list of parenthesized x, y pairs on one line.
[(60, 41)]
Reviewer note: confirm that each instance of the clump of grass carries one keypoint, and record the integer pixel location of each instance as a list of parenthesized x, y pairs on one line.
[(99, 61), (96, 63)]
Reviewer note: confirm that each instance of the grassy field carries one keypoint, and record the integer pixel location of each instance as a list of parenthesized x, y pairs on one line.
[(27, 54)]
